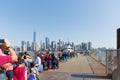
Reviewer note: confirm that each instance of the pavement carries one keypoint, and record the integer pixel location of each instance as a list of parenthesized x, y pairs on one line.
[(78, 68)]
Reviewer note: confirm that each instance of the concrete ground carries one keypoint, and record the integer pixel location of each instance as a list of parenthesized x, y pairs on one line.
[(78, 68)]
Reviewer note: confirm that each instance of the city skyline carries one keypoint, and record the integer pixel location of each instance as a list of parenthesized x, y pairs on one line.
[(75, 21), (52, 45)]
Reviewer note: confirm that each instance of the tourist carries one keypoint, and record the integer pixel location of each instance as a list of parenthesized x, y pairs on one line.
[(10, 58), (6, 60), (33, 72), (38, 62), (20, 72)]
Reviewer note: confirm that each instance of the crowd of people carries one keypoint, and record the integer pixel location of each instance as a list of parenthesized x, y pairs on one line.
[(26, 67)]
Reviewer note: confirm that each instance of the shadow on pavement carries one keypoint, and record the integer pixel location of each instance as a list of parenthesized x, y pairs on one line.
[(89, 76)]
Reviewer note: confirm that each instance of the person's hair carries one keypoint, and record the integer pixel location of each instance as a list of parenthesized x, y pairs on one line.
[(20, 61), (37, 53), (25, 53), (32, 64), (61, 50)]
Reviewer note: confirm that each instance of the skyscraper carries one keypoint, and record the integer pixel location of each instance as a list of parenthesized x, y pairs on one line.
[(53, 44), (47, 40), (23, 46), (89, 45), (34, 37), (34, 41)]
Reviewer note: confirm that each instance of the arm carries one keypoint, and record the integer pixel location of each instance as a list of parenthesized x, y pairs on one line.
[(5, 59), (13, 54), (5, 45)]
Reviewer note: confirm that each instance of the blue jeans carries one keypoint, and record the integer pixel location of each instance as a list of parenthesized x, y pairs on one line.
[(9, 74), (2, 75)]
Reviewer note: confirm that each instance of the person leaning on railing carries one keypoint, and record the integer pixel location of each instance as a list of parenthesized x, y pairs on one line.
[(10, 58)]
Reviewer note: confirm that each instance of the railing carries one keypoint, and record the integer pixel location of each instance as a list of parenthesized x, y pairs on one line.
[(106, 57)]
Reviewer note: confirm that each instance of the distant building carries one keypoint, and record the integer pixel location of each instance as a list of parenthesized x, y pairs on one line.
[(59, 45), (84, 46), (34, 42), (23, 46), (34, 37), (43, 46), (47, 42), (17, 49), (53, 45), (89, 45), (33, 46), (28, 46)]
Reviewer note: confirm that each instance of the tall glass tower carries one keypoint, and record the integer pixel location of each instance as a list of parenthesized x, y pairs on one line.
[(34, 41), (47, 40), (34, 37)]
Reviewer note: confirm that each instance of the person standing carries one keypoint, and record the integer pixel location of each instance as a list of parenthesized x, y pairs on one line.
[(6, 60), (33, 72), (20, 72), (8, 67), (9, 58), (38, 62)]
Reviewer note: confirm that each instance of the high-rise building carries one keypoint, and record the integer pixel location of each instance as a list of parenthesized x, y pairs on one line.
[(53, 45), (89, 45), (34, 42), (47, 41), (23, 45), (28, 46), (43, 46), (34, 37), (84, 46)]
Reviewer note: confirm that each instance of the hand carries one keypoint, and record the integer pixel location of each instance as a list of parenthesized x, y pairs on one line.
[(5, 44)]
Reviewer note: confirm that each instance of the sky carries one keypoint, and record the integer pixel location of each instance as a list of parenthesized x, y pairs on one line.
[(69, 20)]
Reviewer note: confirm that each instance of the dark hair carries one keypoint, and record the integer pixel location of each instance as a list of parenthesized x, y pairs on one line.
[(32, 64), (20, 61), (6, 52), (25, 53), (24, 57), (61, 50)]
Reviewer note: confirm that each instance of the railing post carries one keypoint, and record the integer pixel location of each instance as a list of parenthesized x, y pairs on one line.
[(118, 53), (106, 64)]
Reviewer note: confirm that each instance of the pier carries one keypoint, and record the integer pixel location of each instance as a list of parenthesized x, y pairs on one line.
[(78, 68)]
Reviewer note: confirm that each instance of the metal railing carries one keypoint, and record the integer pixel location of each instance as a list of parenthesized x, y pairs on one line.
[(107, 57)]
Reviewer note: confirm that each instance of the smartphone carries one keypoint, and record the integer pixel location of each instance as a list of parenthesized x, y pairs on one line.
[(2, 41)]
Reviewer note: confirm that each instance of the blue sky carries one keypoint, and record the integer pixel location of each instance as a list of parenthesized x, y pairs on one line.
[(74, 20)]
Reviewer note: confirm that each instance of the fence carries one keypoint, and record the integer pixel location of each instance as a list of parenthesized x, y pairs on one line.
[(107, 57)]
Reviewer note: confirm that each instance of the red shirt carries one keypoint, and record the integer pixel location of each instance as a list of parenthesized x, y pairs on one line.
[(43, 58), (19, 73)]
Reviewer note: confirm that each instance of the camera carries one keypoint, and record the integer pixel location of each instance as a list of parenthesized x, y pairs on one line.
[(2, 41)]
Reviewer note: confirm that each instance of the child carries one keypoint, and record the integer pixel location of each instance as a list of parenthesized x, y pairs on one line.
[(20, 72), (33, 72)]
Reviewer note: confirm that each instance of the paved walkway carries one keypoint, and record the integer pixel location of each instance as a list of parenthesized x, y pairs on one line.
[(81, 68)]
